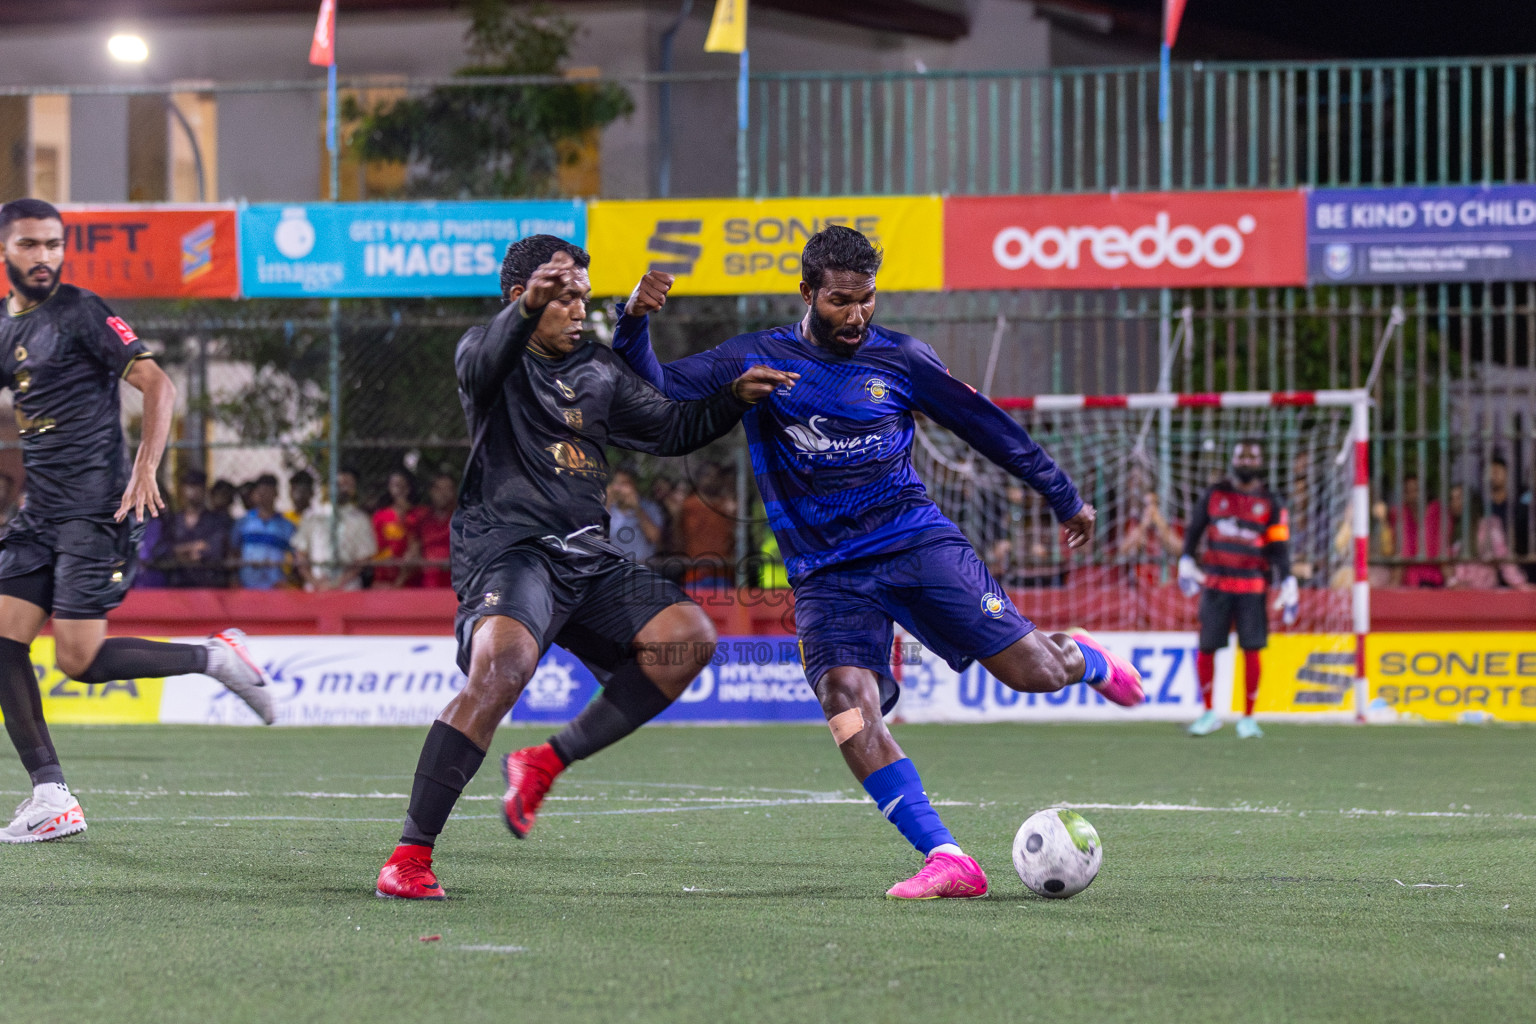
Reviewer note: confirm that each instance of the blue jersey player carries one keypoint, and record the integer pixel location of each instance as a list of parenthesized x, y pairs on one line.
[(862, 541)]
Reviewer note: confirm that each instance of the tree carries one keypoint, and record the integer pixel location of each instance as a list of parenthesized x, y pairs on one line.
[(494, 140)]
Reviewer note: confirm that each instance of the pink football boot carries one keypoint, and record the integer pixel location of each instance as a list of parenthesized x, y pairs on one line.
[(1123, 686), (944, 877)]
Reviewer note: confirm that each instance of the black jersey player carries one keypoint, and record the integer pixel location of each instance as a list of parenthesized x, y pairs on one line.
[(1247, 539), (531, 562), (70, 552)]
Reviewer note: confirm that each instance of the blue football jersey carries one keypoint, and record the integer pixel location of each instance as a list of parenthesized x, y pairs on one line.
[(833, 455)]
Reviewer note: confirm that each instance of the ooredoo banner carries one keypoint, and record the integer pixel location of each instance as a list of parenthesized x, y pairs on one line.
[(752, 246), (151, 252), (1126, 240)]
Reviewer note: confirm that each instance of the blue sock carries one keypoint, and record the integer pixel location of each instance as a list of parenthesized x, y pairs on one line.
[(898, 791), (1095, 665)]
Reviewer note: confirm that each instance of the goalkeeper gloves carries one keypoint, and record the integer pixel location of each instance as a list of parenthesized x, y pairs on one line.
[(1289, 601), (1191, 579)]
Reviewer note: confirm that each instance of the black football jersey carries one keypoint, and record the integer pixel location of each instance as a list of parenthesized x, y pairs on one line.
[(63, 360), (539, 427)]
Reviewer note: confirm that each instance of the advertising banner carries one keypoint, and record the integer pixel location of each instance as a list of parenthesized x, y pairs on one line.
[(152, 252), (1126, 240), (372, 680), (390, 250), (1436, 233), (1306, 674), (752, 246), (934, 692), (67, 702)]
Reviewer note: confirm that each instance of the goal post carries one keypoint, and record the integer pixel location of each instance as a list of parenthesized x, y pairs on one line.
[(1143, 460)]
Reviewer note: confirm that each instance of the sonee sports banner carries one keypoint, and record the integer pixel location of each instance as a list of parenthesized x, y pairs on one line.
[(1126, 240), (752, 246)]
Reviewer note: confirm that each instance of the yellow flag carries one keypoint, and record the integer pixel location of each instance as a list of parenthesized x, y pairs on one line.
[(728, 28)]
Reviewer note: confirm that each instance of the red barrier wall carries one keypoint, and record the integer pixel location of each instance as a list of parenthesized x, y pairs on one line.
[(430, 612)]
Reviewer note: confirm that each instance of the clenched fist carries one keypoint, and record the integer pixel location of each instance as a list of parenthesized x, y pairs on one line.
[(550, 281), (650, 294)]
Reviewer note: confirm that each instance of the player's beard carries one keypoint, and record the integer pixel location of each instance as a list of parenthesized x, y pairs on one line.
[(824, 334), (22, 284), (1247, 474)]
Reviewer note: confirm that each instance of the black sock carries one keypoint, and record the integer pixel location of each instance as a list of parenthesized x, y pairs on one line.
[(132, 658), (448, 761), (629, 700), (22, 704)]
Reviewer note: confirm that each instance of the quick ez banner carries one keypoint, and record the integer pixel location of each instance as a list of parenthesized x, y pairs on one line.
[(391, 250)]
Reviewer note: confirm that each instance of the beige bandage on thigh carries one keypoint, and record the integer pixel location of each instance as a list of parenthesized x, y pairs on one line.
[(845, 725)]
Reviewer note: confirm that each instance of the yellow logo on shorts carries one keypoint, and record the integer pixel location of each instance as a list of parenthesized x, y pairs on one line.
[(992, 606)]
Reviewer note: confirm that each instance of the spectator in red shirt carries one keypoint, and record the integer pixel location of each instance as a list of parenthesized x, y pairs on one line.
[(433, 530), (397, 529), (1418, 535)]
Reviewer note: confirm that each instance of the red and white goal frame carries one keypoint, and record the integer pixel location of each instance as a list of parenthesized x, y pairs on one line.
[(1358, 401)]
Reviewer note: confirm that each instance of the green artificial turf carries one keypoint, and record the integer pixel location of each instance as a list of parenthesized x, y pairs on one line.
[(694, 874)]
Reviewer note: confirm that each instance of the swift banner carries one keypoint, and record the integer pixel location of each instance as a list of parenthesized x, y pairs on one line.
[(1407, 235), (752, 246), (352, 250), (151, 252), (1126, 240)]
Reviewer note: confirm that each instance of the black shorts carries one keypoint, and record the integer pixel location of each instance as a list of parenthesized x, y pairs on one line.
[(1220, 608), (72, 569), (591, 602)]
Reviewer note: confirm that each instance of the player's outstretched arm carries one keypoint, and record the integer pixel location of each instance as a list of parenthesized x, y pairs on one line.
[(644, 419), (693, 377), (992, 432), (486, 356), (143, 493)]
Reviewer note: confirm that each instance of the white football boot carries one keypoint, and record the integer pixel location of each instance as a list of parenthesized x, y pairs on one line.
[(231, 664), (51, 812)]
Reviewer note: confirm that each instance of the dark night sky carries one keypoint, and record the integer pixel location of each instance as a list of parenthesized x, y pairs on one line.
[(1372, 28)]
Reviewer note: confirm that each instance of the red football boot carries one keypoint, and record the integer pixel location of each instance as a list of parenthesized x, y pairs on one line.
[(407, 875), (529, 773)]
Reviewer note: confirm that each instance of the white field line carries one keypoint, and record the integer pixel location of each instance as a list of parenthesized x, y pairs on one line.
[(718, 800)]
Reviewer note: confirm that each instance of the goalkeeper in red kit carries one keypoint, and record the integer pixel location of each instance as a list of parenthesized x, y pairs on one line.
[(1247, 543)]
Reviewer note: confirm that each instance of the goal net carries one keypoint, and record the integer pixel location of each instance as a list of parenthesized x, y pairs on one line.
[(1143, 461)]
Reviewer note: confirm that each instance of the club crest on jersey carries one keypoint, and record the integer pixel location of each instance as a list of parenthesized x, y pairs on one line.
[(1260, 509), (122, 330), (21, 353), (991, 605), (876, 389)]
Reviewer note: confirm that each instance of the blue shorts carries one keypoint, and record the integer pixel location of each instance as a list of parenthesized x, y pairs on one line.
[(939, 591)]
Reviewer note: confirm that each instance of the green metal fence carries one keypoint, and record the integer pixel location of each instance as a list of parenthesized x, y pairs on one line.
[(1274, 125)]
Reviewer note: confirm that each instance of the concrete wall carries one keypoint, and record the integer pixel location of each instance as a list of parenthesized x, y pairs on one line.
[(267, 142)]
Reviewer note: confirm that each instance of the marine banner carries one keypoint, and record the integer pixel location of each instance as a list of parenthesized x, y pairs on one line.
[(752, 246), (391, 250), (152, 252)]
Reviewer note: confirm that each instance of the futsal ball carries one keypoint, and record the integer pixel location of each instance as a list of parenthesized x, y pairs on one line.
[(1057, 853)]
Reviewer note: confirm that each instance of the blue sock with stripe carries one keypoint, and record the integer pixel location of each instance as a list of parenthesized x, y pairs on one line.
[(898, 791), (1095, 665)]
